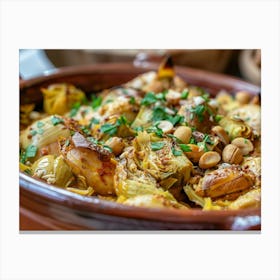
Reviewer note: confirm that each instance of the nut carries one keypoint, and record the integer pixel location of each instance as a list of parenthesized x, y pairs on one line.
[(183, 133), (255, 100), (243, 97), (221, 133), (243, 144), (165, 126), (173, 97), (232, 154), (116, 144), (195, 153), (209, 159)]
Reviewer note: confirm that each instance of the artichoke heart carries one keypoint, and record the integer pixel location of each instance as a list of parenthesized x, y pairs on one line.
[(251, 115), (235, 128), (53, 170), (137, 187), (44, 132), (161, 163), (143, 118), (59, 98)]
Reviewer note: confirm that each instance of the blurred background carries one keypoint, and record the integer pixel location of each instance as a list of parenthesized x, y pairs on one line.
[(244, 64)]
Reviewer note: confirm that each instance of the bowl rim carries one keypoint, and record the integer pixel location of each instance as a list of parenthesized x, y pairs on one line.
[(97, 205)]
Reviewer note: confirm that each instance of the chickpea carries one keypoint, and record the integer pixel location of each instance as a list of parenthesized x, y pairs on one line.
[(243, 144), (243, 97), (165, 126), (209, 159), (221, 133), (183, 133), (232, 154), (116, 144)]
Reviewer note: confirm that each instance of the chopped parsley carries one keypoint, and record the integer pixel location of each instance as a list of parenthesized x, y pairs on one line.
[(55, 120), (93, 121), (108, 128), (149, 99), (217, 118), (108, 148), (157, 130), (23, 157), (40, 131), (174, 137), (96, 102), (176, 152), (159, 114), (139, 128), (185, 94), (31, 151), (33, 132), (198, 111), (192, 140), (132, 100), (112, 129), (92, 140), (176, 119), (155, 146), (85, 130), (40, 124), (206, 140), (75, 108), (185, 148), (67, 142)]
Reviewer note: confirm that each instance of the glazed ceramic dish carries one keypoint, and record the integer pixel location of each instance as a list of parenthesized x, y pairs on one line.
[(44, 206)]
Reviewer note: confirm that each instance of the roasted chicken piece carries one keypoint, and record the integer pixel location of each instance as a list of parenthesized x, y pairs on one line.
[(225, 182), (92, 161), (198, 114)]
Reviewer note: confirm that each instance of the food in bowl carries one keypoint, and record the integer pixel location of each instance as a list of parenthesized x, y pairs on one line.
[(154, 141)]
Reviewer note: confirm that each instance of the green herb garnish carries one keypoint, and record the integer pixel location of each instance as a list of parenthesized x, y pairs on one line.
[(174, 137), (55, 120), (149, 99), (176, 119), (75, 108), (96, 102), (112, 129), (185, 148), (198, 111), (157, 130), (31, 151), (67, 142), (155, 146), (185, 94), (40, 124), (40, 131), (217, 118), (33, 132), (176, 152), (132, 100), (108, 148)]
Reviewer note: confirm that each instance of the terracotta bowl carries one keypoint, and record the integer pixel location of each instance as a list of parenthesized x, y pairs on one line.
[(46, 207)]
